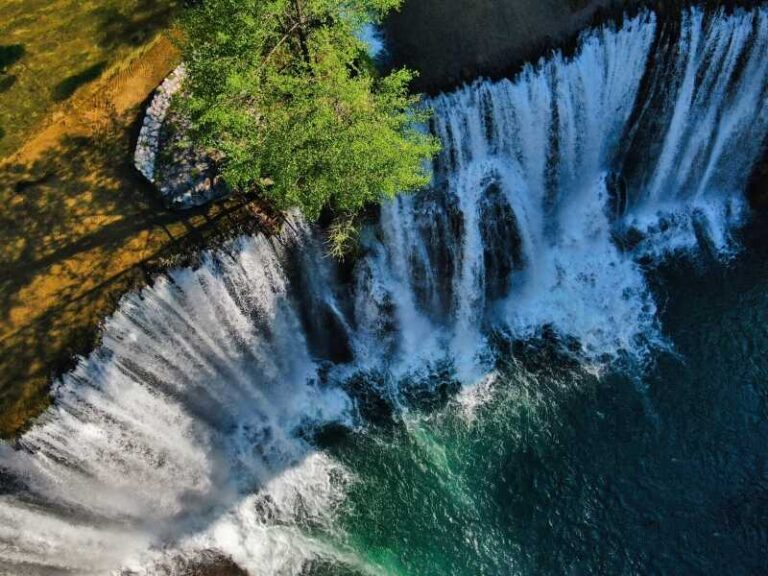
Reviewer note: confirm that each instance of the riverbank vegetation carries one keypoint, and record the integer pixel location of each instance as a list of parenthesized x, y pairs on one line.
[(286, 93), (80, 226)]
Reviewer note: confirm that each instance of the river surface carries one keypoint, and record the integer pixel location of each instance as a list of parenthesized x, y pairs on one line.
[(552, 470), (552, 361)]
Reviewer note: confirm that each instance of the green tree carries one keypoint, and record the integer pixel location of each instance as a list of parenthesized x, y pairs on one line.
[(285, 91)]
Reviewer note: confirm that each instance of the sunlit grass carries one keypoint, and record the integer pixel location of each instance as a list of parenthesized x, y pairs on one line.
[(51, 48)]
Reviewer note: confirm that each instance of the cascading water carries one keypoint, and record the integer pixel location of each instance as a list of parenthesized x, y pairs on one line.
[(192, 401), (190, 428)]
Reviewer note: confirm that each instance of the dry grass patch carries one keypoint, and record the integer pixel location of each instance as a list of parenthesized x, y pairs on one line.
[(79, 227)]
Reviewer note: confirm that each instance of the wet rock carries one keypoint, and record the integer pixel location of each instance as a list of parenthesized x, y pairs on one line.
[(204, 563)]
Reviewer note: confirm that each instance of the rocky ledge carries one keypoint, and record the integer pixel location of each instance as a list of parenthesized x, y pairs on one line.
[(184, 175)]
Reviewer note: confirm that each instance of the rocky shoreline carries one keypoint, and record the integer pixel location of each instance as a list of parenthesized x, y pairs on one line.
[(184, 176), (148, 143)]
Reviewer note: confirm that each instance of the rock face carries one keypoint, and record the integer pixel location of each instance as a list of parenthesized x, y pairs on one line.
[(206, 563), (145, 156), (185, 176), (758, 185)]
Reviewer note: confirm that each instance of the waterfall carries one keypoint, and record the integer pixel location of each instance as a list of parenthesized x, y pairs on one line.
[(189, 429), (192, 400)]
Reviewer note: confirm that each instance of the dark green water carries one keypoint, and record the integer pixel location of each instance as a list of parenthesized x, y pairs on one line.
[(558, 471)]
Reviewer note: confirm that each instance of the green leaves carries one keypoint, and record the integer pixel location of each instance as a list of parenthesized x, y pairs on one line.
[(286, 92)]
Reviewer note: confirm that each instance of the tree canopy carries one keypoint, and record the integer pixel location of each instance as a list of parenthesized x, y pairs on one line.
[(285, 91)]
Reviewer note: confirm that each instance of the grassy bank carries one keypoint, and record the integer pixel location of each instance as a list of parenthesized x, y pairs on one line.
[(52, 48), (79, 227)]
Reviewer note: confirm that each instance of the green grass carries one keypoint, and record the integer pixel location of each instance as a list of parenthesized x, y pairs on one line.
[(51, 48)]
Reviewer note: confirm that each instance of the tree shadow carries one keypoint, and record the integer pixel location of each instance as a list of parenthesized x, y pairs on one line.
[(7, 81), (70, 84), (9, 55), (134, 25)]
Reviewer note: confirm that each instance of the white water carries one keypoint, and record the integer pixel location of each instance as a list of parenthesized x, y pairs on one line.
[(191, 403), (182, 433), (569, 274)]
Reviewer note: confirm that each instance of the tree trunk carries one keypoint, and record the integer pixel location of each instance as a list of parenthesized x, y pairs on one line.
[(302, 31)]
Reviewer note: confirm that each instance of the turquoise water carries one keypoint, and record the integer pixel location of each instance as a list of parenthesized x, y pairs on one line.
[(553, 470)]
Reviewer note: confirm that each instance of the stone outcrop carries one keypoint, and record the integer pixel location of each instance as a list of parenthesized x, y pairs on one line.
[(184, 175), (757, 190), (145, 156)]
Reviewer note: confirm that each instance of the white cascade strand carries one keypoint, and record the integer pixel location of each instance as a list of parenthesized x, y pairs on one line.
[(193, 399), (500, 133), (715, 134)]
